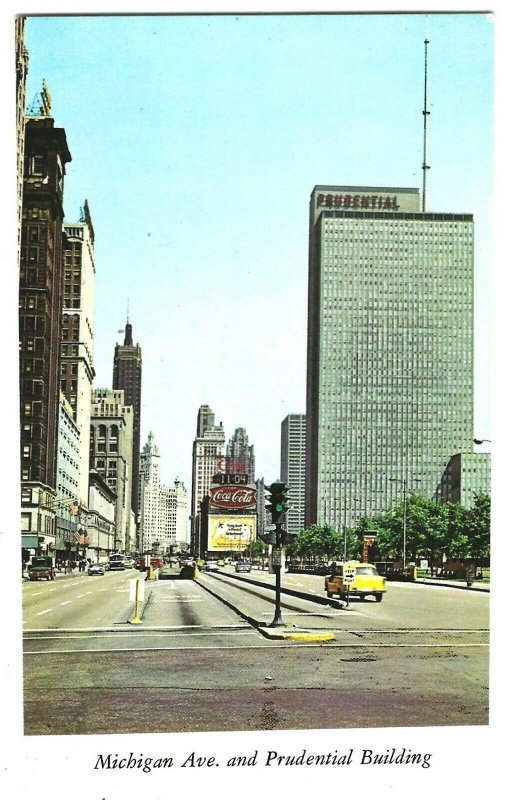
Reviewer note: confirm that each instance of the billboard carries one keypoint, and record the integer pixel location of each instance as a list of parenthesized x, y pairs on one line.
[(231, 532), (233, 497)]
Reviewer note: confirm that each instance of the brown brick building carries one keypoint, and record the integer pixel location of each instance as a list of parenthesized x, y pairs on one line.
[(45, 156)]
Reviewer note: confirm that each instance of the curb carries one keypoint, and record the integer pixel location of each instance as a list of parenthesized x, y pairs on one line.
[(291, 634), (314, 598), (455, 585), (296, 636)]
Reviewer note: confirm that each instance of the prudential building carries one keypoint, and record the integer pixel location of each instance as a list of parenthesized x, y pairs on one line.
[(390, 349)]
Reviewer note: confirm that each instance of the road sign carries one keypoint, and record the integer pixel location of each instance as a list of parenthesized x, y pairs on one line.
[(276, 556), (349, 575)]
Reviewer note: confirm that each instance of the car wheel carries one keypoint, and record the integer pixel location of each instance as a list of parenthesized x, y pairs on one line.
[(379, 597), (342, 597), (329, 594)]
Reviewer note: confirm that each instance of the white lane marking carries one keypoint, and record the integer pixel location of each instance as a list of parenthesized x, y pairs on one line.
[(66, 603), (39, 613), (34, 594), (79, 596), (332, 645), (188, 598)]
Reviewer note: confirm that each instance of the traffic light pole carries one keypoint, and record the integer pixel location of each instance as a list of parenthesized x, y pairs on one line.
[(278, 619)]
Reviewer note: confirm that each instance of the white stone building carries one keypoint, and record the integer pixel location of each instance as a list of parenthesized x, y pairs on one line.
[(77, 333), (163, 510)]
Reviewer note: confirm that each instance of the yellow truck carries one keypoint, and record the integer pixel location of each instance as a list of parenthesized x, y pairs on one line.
[(361, 580)]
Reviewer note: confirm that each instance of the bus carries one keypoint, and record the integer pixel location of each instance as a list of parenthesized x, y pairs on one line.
[(117, 561)]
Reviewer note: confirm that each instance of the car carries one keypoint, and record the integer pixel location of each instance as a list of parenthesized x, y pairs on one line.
[(243, 566), (211, 565), (41, 567), (220, 563), (96, 569), (365, 581)]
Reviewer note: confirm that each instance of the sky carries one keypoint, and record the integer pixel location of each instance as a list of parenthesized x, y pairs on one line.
[(197, 141)]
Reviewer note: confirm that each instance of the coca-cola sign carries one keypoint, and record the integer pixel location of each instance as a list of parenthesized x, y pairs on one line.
[(233, 496)]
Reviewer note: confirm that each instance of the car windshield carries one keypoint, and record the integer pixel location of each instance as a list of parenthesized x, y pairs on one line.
[(366, 571)]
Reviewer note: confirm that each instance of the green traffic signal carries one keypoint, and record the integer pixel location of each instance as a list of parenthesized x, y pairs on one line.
[(278, 502)]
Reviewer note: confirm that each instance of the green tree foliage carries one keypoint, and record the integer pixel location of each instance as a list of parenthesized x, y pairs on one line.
[(478, 527), (318, 542), (256, 548), (435, 531)]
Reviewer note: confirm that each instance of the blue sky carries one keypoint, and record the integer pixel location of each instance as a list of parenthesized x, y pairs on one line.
[(197, 141)]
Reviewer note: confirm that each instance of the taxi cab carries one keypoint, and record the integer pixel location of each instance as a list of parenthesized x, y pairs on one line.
[(366, 581)]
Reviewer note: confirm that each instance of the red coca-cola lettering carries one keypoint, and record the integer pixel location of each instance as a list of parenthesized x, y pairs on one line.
[(233, 496)]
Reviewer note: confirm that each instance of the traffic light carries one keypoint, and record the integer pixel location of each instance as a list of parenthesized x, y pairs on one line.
[(277, 503)]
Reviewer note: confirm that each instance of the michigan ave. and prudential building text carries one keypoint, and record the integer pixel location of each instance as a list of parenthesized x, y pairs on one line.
[(390, 349)]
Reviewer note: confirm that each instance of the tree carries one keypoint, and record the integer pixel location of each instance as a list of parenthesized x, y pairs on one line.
[(456, 544), (478, 527), (318, 542), (256, 548)]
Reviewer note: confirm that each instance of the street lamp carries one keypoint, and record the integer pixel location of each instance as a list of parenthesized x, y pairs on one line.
[(345, 530), (480, 441), (404, 482)]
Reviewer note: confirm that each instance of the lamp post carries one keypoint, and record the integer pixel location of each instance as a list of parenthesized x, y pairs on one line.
[(404, 482), (480, 441)]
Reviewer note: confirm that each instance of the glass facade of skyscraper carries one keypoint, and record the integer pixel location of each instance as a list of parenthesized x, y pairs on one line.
[(390, 349)]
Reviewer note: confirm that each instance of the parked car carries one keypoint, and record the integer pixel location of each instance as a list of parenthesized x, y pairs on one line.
[(96, 569), (243, 566), (366, 581)]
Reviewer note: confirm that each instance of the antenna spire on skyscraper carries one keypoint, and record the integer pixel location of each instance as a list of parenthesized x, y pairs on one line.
[(426, 113)]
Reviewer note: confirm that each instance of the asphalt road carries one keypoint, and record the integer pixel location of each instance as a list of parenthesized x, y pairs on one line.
[(420, 658)]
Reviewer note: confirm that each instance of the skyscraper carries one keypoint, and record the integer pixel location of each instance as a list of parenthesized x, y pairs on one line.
[(127, 375), (21, 75), (390, 348), (76, 369), (293, 468), (208, 459), (163, 510), (40, 281), (240, 456), (149, 496)]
